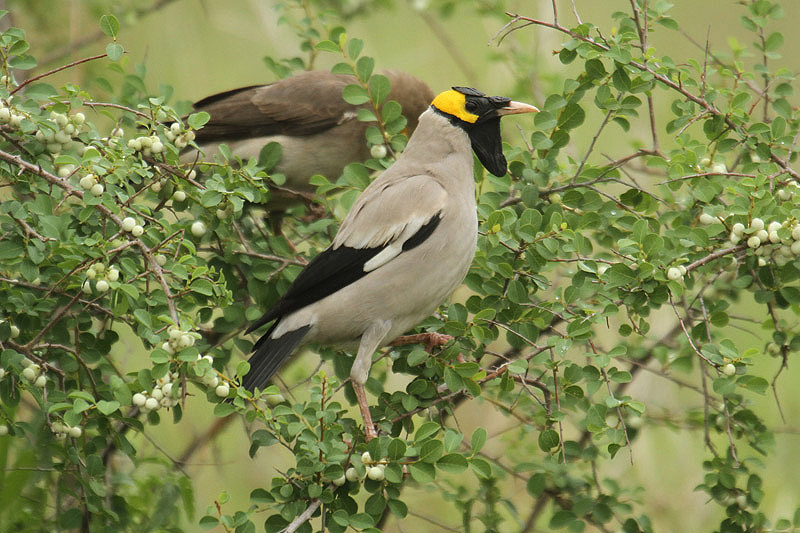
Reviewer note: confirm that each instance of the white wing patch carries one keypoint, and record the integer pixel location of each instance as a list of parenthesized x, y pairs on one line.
[(394, 249)]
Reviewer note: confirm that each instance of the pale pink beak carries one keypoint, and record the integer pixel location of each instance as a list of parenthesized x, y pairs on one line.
[(515, 108)]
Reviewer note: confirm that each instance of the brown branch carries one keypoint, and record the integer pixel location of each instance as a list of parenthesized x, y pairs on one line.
[(53, 71)]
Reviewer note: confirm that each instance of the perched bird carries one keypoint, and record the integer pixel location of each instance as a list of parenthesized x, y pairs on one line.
[(406, 244), (318, 131)]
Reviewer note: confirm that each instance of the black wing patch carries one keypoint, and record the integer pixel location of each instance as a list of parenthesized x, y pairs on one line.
[(333, 270)]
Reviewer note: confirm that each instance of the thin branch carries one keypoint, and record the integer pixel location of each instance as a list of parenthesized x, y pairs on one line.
[(53, 71)]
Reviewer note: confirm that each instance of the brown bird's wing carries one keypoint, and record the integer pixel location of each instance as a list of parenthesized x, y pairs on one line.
[(308, 103)]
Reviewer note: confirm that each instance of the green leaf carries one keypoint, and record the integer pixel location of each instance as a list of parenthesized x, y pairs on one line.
[(398, 508), (22, 62), (426, 431), (548, 439), (355, 94), (773, 42), (354, 48), (431, 451), (109, 25), (269, 155), (481, 467), (422, 472), (453, 463), (107, 407), (379, 86), (478, 439), (364, 68), (198, 120), (328, 46), (396, 449), (114, 51), (756, 384)]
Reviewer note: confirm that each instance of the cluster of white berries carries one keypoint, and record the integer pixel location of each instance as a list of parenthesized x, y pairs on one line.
[(147, 144), (178, 340), (161, 395), (130, 225), (64, 129), (765, 240), (178, 136), (62, 431), (10, 116), (33, 373), (209, 377), (374, 470), (676, 273), (717, 167), (101, 277), (89, 182)]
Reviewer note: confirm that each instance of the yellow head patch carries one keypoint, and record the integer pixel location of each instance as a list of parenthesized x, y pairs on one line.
[(452, 102)]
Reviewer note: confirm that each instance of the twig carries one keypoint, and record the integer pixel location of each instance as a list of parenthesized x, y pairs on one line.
[(53, 71)]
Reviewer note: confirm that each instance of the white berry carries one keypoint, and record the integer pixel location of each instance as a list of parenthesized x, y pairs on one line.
[(139, 399), (179, 196), (198, 229), (3, 430), (275, 399), (97, 189), (753, 242), (351, 474), (128, 223), (151, 404), (161, 259), (29, 373), (112, 274), (137, 231), (366, 458), (14, 334), (75, 432), (102, 285), (738, 229), (376, 473), (707, 219), (756, 224), (40, 382), (87, 182), (674, 274), (729, 369), (339, 481), (222, 390), (378, 151)]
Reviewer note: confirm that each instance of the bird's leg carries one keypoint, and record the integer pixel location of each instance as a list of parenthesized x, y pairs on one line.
[(359, 373), (431, 340)]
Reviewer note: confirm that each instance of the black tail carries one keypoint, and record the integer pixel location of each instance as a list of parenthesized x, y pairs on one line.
[(270, 355)]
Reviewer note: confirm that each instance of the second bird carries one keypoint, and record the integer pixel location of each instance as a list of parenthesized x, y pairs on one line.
[(318, 131), (406, 244)]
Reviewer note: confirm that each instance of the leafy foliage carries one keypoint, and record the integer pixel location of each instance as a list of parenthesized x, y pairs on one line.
[(128, 276)]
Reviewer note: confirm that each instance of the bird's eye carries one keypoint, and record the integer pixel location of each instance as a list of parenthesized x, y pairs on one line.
[(471, 105)]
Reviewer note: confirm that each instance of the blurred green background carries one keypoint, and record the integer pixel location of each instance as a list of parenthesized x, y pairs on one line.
[(202, 47)]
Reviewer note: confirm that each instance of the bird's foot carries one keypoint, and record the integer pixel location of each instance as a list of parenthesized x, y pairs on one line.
[(431, 340), (363, 406)]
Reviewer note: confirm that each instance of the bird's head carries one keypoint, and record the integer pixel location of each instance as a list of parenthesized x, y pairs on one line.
[(479, 115)]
